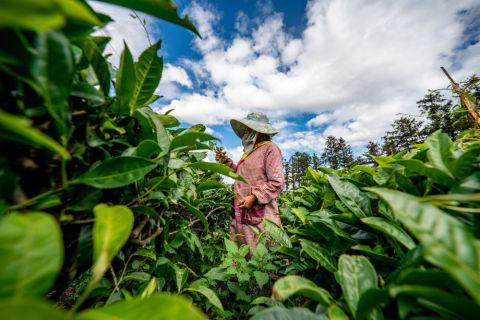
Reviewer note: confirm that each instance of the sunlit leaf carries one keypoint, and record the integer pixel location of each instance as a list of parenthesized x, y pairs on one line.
[(295, 285)]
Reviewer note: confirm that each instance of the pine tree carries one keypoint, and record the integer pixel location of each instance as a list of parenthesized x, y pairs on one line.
[(373, 150), (405, 132), (337, 154)]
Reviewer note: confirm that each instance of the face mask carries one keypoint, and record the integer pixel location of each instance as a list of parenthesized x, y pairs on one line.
[(248, 141)]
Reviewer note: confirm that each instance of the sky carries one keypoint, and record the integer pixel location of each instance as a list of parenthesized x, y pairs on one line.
[(316, 67)]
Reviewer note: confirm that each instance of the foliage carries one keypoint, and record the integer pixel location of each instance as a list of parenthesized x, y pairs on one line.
[(98, 191), (398, 240)]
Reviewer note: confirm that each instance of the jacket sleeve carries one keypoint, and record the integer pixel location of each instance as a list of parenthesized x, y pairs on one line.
[(271, 188)]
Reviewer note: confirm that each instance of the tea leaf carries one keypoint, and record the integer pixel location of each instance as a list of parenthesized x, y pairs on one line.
[(296, 285), (116, 172), (31, 254)]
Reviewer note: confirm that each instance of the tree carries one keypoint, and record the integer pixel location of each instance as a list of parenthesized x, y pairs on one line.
[(337, 154), (373, 150), (405, 132), (299, 162)]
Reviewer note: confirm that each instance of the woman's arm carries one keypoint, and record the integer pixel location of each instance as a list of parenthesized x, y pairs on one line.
[(270, 189)]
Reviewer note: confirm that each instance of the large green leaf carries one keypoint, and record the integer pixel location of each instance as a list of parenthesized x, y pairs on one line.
[(191, 140), (288, 286), (440, 151), (447, 242), (148, 73), (100, 66), (356, 275), (208, 293), (354, 199), (30, 309), (163, 9), (447, 303), (31, 254), (43, 15), (125, 82), (282, 313), (111, 230), (19, 129), (319, 254), (116, 172), (278, 234), (52, 69), (336, 313), (152, 128), (218, 168), (417, 167), (465, 164), (390, 229), (157, 306)]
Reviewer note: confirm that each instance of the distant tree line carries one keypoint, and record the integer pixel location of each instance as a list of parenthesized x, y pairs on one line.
[(437, 112)]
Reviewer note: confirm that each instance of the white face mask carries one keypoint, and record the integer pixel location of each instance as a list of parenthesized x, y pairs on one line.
[(248, 140)]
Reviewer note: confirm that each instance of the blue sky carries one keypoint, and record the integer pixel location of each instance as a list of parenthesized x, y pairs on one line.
[(316, 67)]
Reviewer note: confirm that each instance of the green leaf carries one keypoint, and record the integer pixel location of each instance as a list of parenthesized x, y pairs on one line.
[(218, 168), (449, 303), (191, 141), (43, 15), (440, 151), (88, 92), (319, 254), (287, 286), (374, 254), (262, 278), (282, 313), (370, 300), (158, 306), (100, 66), (336, 313), (146, 149), (181, 275), (30, 309), (447, 242), (150, 289), (52, 69), (199, 214), (125, 82), (208, 293), (354, 199), (390, 229), (209, 185), (17, 128), (301, 213), (148, 73), (415, 166), (278, 234), (152, 128), (356, 275), (31, 254), (111, 230), (116, 172), (465, 164), (138, 276), (163, 9)]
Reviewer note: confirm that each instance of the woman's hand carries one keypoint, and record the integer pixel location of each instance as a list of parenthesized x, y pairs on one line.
[(220, 156), (248, 202)]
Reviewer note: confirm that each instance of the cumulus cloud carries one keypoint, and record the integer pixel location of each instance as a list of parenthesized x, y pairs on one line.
[(356, 65)]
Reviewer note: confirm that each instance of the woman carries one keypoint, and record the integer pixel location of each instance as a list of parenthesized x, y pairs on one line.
[(261, 165)]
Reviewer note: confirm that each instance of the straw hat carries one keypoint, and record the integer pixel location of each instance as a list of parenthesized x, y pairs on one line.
[(256, 121)]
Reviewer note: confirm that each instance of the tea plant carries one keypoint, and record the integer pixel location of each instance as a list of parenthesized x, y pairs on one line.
[(399, 240)]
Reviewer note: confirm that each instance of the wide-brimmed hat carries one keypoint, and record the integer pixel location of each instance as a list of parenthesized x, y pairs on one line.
[(256, 121)]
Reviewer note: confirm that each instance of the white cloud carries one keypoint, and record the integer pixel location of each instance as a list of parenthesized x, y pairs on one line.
[(176, 74), (356, 65)]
